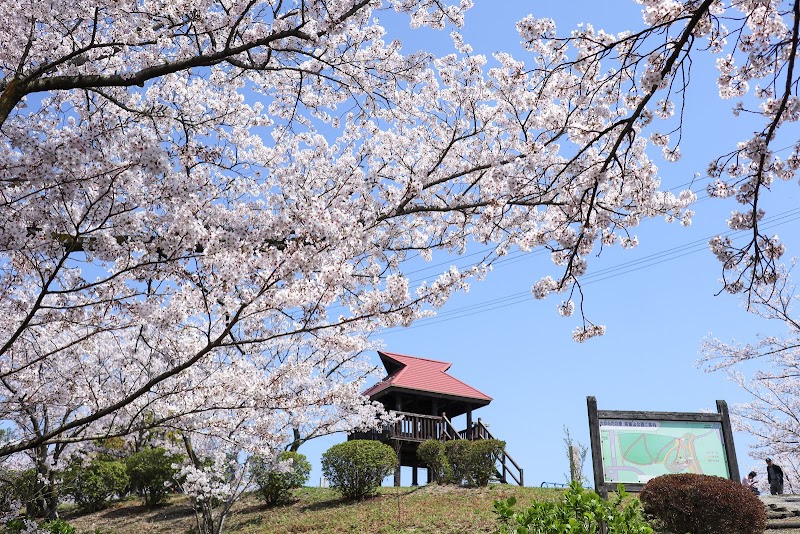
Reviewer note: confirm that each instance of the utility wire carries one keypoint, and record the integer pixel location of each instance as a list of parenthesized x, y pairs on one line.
[(650, 260)]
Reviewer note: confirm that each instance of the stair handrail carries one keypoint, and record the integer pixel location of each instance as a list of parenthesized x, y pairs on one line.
[(449, 430)]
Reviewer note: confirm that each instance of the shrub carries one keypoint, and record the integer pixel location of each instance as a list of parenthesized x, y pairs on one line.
[(579, 512), (21, 486), (152, 474), (457, 452), (432, 453), (356, 468), (92, 486), (481, 459), (702, 504), (472, 462), (275, 487)]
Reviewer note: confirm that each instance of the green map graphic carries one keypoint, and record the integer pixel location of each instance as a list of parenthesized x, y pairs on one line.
[(634, 451)]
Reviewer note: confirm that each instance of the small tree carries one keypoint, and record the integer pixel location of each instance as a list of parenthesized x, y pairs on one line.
[(151, 473), (92, 486), (576, 455), (274, 484), (356, 468)]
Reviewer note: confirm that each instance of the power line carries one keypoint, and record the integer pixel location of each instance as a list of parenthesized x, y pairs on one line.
[(650, 260)]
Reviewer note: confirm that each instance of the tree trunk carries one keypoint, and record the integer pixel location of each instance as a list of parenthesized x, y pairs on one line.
[(44, 487)]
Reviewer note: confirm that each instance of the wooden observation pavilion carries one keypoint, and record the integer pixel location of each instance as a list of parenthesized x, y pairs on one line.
[(427, 398)]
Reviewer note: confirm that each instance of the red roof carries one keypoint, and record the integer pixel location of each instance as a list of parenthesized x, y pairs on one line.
[(421, 374)]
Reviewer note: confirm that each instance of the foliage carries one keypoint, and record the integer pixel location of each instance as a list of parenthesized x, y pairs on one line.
[(54, 526), (702, 504), (483, 454), (91, 486), (458, 456), (152, 473), (357, 467), (432, 453), (22, 486), (579, 512), (58, 526), (274, 484), (472, 462)]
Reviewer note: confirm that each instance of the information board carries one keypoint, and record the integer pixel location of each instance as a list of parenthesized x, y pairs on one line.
[(631, 447), (634, 451)]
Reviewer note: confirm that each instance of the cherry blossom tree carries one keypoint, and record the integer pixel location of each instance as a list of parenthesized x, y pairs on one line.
[(636, 85), (210, 206), (771, 377), (193, 189), (641, 75)]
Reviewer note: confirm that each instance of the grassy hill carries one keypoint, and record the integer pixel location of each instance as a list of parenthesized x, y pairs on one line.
[(425, 509)]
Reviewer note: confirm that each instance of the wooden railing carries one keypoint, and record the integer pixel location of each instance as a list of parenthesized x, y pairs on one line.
[(450, 430), (417, 427)]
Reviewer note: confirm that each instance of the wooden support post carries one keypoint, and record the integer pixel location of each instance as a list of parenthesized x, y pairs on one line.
[(727, 440), (469, 424), (597, 453), (414, 467)]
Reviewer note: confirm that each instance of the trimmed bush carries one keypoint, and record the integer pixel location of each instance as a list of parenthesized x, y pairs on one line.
[(472, 462), (580, 511), (152, 474), (702, 504), (482, 456), (356, 468), (276, 487), (457, 452), (432, 453), (92, 486)]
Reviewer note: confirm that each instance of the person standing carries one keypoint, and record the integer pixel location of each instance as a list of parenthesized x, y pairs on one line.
[(774, 477)]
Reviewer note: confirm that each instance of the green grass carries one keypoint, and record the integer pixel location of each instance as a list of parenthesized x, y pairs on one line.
[(426, 509)]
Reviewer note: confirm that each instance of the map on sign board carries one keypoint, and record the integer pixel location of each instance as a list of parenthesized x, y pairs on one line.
[(634, 451)]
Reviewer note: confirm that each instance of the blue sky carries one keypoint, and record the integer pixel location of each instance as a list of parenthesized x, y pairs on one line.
[(658, 301)]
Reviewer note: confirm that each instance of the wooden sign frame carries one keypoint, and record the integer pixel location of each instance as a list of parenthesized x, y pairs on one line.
[(595, 415)]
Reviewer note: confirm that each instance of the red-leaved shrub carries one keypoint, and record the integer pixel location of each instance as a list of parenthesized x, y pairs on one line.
[(702, 504)]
